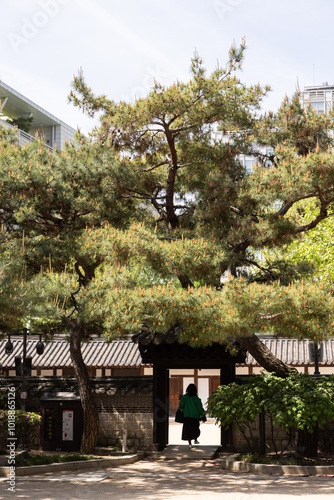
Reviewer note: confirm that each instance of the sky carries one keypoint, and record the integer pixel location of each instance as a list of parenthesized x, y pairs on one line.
[(122, 46)]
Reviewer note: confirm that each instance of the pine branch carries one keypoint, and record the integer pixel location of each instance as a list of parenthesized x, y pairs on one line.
[(154, 167), (256, 264), (270, 317)]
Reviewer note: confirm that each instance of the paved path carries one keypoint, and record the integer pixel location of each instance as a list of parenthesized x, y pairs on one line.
[(164, 479), (176, 473)]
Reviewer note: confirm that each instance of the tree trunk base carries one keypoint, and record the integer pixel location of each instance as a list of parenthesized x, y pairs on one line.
[(90, 412)]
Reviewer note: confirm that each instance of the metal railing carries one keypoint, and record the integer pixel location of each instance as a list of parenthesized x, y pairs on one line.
[(23, 137)]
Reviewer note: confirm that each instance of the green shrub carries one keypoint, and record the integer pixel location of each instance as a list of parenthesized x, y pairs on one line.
[(20, 422), (298, 402)]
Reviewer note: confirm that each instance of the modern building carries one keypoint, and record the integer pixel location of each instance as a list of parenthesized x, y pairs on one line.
[(247, 161), (14, 105), (319, 97)]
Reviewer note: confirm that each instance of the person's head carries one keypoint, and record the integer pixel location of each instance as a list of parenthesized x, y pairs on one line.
[(191, 390)]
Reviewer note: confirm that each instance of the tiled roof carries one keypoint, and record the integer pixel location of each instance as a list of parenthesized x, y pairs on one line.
[(297, 352), (97, 353), (125, 354)]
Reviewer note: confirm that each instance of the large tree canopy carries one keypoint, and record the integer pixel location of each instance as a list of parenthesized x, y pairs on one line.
[(153, 225), (207, 216)]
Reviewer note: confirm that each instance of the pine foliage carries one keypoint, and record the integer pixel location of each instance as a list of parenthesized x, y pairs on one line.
[(134, 228)]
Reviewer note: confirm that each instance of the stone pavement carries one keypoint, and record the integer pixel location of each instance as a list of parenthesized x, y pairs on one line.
[(182, 452), (174, 474)]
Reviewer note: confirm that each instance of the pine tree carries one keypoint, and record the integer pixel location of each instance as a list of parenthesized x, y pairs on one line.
[(202, 197), (132, 231)]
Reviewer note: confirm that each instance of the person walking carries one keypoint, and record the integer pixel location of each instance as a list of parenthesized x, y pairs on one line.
[(192, 408)]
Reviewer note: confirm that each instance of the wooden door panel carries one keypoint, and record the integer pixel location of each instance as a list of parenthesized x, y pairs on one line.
[(175, 394)]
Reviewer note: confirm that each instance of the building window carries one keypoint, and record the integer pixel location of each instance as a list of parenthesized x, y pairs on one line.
[(318, 106)]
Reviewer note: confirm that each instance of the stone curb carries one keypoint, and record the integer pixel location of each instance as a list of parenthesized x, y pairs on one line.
[(98, 463), (282, 470)]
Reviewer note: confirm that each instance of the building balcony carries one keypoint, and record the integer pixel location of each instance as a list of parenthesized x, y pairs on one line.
[(23, 137), (14, 105)]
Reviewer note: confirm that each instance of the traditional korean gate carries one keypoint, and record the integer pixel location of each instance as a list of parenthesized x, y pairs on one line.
[(164, 353)]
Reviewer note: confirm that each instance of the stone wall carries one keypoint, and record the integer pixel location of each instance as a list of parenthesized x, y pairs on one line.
[(138, 427), (253, 434), (280, 437), (124, 403), (131, 412)]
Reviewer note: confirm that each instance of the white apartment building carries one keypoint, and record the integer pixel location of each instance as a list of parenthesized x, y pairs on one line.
[(14, 105), (320, 97), (247, 161)]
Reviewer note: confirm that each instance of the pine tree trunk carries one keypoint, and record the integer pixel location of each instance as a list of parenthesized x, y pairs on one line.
[(90, 413), (264, 356)]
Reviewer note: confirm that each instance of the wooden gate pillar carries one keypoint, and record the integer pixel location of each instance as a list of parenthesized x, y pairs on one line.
[(227, 375), (160, 405)]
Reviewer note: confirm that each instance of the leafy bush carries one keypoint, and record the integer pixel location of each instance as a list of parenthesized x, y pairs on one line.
[(25, 422), (298, 402)]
